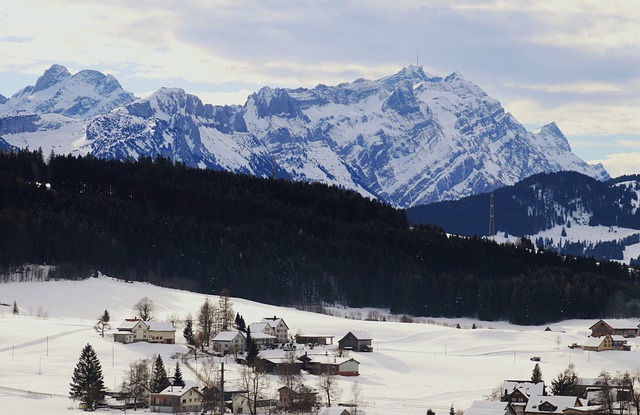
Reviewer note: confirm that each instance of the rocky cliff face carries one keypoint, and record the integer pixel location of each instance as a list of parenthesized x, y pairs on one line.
[(407, 139)]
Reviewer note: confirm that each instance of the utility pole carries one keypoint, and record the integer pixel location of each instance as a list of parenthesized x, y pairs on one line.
[(492, 219), (221, 388)]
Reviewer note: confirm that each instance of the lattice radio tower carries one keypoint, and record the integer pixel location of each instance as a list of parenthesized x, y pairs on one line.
[(492, 217)]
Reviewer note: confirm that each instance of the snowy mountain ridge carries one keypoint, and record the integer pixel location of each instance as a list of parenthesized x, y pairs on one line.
[(409, 138)]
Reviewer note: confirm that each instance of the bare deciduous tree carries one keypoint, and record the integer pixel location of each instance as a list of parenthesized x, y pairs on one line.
[(290, 375), (255, 383), (137, 380), (328, 384), (206, 321), (145, 308), (226, 315)]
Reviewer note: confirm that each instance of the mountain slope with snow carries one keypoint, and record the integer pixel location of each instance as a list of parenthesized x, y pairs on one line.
[(407, 139), (566, 211)]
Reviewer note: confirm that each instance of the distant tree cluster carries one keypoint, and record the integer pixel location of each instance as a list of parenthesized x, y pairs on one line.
[(279, 242)]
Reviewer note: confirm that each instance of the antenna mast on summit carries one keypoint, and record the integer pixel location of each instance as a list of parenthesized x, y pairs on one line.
[(492, 218)]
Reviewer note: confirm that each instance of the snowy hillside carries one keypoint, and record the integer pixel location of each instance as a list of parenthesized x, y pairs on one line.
[(414, 367), (409, 138)]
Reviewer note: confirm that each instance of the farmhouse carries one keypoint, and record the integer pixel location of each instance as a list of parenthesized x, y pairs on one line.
[(602, 328), (136, 330), (278, 328), (360, 341), (229, 342), (318, 364), (314, 339), (177, 399), (518, 392)]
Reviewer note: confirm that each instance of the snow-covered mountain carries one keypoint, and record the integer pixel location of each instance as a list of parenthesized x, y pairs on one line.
[(565, 211), (86, 94), (407, 139)]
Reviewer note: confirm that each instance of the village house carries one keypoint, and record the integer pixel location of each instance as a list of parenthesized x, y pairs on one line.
[(314, 339), (359, 341), (550, 404), (280, 365), (318, 364), (136, 330), (303, 398), (262, 339), (177, 399), (231, 341), (518, 392), (598, 344), (278, 328), (242, 404), (602, 328)]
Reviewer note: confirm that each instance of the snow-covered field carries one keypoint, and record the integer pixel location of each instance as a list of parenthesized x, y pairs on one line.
[(414, 367)]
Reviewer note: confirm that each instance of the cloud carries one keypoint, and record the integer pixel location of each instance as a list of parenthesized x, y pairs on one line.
[(619, 164)]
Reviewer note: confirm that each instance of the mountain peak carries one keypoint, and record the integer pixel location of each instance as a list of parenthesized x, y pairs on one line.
[(414, 74), (51, 76)]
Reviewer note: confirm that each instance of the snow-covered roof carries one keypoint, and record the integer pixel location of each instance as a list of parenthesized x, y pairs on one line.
[(528, 388), (594, 341), (617, 338), (227, 336), (129, 324), (179, 390), (160, 326), (328, 359), (273, 321), (361, 335), (487, 408), (257, 327), (560, 402)]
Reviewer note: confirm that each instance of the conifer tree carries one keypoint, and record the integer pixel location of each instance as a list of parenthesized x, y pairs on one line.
[(252, 349), (87, 383), (159, 379), (188, 332), (536, 374), (15, 308), (177, 376)]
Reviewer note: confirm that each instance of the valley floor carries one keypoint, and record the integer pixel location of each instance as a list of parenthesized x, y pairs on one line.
[(414, 367)]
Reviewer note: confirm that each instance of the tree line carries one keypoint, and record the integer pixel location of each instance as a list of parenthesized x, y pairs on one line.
[(280, 242)]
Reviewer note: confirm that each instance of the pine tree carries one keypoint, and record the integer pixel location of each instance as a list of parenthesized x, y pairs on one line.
[(87, 383), (177, 376), (536, 374), (105, 317), (15, 308), (188, 332), (252, 349), (159, 380)]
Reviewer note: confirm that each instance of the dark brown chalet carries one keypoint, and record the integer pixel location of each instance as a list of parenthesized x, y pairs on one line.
[(602, 328), (358, 341)]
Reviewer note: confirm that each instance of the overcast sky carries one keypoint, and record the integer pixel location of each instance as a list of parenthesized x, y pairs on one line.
[(576, 62)]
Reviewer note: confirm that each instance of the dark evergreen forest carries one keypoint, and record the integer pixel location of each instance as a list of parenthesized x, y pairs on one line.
[(282, 243)]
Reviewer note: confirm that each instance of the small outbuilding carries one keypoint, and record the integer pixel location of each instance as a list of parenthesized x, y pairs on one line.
[(359, 341)]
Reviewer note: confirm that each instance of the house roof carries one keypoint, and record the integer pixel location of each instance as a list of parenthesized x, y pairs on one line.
[(617, 338), (528, 388), (359, 334), (488, 408), (274, 321), (560, 402), (160, 326), (130, 323), (227, 336), (257, 327), (327, 359), (600, 322), (595, 341), (180, 390)]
